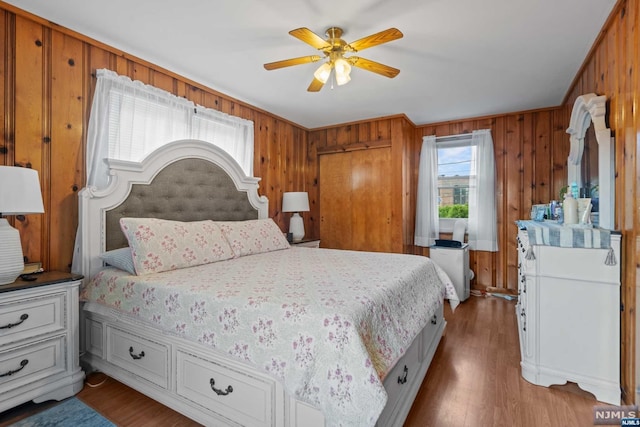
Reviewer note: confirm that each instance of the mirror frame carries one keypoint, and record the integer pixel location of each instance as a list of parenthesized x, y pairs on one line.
[(587, 109)]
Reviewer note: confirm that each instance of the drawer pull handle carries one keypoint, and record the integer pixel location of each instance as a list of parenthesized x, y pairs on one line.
[(24, 317), (434, 320), (22, 365), (218, 391), (403, 379), (135, 356)]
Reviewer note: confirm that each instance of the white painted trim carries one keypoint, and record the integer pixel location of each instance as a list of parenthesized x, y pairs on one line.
[(94, 203), (587, 109)]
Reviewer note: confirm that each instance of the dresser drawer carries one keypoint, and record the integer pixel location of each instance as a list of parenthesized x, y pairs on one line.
[(22, 319), (577, 264), (30, 363), (241, 397), (140, 356)]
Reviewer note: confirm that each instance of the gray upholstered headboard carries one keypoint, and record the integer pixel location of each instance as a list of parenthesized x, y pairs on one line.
[(186, 180), (186, 190)]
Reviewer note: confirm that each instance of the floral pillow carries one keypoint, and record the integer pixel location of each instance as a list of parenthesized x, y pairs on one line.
[(253, 236), (161, 245)]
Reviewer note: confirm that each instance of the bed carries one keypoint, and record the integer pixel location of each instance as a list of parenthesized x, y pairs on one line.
[(193, 297)]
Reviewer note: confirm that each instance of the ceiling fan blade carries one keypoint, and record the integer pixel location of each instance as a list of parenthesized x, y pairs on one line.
[(292, 61), (315, 85), (375, 39), (376, 67), (309, 37)]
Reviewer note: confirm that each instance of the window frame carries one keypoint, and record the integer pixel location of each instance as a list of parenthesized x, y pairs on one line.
[(446, 224)]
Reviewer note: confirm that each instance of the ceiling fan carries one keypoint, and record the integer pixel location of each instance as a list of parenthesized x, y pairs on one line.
[(334, 49)]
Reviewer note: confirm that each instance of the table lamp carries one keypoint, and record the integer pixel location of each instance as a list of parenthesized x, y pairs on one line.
[(296, 202), (19, 194)]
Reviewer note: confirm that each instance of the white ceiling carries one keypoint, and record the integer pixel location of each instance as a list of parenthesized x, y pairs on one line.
[(458, 58)]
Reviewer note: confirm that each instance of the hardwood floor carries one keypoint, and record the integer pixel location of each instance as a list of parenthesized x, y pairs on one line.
[(474, 380)]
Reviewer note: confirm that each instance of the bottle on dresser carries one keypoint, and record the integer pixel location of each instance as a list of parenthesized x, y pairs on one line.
[(570, 208)]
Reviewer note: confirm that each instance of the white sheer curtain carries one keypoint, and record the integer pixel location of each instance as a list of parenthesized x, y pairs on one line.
[(483, 223), (129, 120), (427, 217)]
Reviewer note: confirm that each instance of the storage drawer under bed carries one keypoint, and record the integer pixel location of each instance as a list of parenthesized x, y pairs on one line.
[(140, 356), (237, 395)]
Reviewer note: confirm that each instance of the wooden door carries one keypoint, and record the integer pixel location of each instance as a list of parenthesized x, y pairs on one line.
[(355, 200), (335, 201)]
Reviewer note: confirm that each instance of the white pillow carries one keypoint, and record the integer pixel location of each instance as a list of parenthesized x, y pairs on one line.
[(253, 236), (161, 245), (120, 258)]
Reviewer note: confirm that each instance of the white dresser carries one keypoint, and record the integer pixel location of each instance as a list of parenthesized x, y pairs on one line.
[(568, 315), (39, 341)]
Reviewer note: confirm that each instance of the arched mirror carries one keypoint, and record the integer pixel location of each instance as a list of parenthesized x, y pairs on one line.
[(591, 159)]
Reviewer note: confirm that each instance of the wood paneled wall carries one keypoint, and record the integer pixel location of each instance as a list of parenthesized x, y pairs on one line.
[(531, 150), (47, 79), (612, 68), (396, 132)]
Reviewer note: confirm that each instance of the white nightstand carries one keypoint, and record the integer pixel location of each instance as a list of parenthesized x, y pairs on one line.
[(39, 339), (307, 243)]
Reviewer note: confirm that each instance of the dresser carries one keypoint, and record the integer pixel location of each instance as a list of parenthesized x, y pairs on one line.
[(39, 339), (568, 315)]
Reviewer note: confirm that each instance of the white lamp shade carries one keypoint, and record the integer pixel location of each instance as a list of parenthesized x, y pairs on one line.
[(296, 201), (19, 191), (19, 194)]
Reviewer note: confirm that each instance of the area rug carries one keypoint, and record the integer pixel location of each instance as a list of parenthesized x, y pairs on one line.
[(71, 412)]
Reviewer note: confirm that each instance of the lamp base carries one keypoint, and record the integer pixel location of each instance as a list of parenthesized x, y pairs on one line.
[(296, 227), (11, 260)]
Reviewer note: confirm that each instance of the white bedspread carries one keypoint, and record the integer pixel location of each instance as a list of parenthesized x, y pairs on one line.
[(329, 324)]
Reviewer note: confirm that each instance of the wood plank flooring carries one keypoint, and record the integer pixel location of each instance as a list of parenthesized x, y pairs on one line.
[(474, 380)]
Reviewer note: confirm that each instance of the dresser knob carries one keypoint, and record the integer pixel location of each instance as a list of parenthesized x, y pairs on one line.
[(23, 363), (24, 317), (403, 379), (218, 391), (135, 356)]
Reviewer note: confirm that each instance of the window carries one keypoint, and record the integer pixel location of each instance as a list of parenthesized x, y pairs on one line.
[(129, 120), (454, 174), (457, 174)]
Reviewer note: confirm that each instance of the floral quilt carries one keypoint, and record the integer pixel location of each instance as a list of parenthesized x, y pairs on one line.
[(329, 324)]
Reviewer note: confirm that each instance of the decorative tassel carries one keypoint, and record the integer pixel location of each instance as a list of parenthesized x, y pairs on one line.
[(611, 258), (530, 255)]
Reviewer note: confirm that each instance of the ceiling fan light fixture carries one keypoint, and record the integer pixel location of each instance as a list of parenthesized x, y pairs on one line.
[(343, 71), (323, 72), (334, 49)]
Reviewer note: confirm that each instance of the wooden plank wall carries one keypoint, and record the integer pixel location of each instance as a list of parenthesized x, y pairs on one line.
[(346, 137), (531, 150), (46, 86), (612, 68)]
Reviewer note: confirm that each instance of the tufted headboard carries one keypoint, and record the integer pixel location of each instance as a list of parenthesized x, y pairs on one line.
[(183, 181), (186, 190)]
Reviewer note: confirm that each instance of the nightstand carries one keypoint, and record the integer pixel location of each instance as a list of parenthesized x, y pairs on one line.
[(308, 243), (39, 339)]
